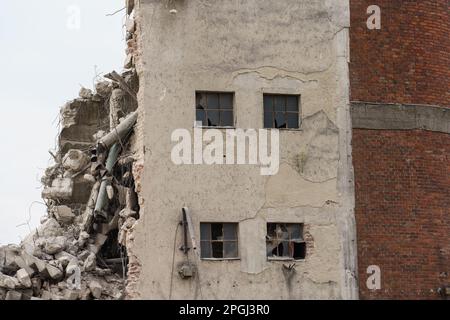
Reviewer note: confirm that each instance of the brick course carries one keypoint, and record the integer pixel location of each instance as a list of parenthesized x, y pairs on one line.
[(402, 181), (408, 60)]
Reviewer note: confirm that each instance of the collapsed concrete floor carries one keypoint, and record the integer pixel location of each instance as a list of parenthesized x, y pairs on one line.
[(80, 249)]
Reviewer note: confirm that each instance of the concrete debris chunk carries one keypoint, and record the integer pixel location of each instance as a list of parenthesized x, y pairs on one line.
[(96, 289), (71, 294), (62, 188), (8, 282), (13, 295), (24, 278), (90, 262), (54, 272), (128, 61), (75, 160), (103, 88), (55, 245), (130, 25), (64, 214), (85, 93), (50, 228)]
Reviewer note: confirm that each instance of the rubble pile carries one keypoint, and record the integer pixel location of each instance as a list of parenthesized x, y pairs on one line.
[(79, 250)]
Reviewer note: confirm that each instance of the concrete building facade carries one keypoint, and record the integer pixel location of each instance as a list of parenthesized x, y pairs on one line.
[(242, 47)]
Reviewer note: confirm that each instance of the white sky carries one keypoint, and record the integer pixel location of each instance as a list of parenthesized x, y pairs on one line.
[(44, 59)]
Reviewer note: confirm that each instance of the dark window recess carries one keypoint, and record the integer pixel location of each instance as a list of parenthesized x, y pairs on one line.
[(214, 109), (218, 240), (285, 240), (281, 111)]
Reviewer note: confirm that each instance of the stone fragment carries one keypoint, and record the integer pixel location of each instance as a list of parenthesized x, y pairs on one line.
[(83, 255), (96, 289), (90, 263), (54, 272), (46, 295), (130, 25), (24, 278), (63, 214), (82, 239), (61, 188), (36, 264), (71, 294), (8, 259), (128, 61), (85, 93), (55, 245), (103, 88), (86, 294), (13, 295), (75, 160), (8, 282)]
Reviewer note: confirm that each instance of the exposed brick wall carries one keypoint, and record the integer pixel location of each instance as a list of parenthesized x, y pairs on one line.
[(402, 181), (408, 60)]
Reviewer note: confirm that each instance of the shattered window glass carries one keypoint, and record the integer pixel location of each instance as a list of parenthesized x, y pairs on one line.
[(285, 241), (281, 111), (218, 240), (215, 109)]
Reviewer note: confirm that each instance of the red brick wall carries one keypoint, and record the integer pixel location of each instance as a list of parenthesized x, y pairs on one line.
[(408, 60), (402, 181)]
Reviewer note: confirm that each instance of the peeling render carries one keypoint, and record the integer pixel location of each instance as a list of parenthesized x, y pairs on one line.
[(248, 51)]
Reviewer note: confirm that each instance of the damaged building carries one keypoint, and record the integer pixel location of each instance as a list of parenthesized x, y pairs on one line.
[(126, 222)]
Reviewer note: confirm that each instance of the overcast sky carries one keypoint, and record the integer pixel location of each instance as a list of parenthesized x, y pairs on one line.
[(46, 54)]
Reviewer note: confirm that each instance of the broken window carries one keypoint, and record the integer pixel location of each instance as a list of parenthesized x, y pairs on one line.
[(219, 240), (215, 109), (285, 241), (281, 111)]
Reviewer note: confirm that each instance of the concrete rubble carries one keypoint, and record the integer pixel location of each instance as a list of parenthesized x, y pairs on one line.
[(75, 253), (79, 252)]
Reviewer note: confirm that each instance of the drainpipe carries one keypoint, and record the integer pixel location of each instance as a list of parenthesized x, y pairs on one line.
[(118, 133), (102, 195)]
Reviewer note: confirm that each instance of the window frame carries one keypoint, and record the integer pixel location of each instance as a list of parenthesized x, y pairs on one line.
[(233, 101), (238, 257), (283, 94), (286, 258)]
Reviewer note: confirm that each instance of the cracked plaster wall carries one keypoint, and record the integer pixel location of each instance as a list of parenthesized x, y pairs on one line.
[(247, 47)]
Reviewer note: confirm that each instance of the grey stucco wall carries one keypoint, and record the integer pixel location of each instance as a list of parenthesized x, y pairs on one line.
[(247, 47)]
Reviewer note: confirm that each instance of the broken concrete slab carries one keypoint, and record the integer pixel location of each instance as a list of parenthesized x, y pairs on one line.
[(8, 282), (54, 272), (24, 278), (8, 259), (63, 214), (13, 295), (61, 189), (55, 245)]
